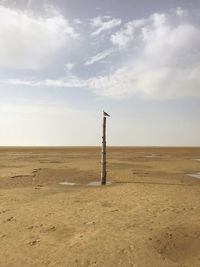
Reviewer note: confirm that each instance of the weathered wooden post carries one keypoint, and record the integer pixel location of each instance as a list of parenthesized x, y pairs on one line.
[(103, 157)]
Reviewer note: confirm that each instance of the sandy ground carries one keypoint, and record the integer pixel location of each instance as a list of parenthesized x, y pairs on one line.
[(148, 216)]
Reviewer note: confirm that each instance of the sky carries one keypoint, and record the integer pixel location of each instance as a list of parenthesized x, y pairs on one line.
[(62, 62)]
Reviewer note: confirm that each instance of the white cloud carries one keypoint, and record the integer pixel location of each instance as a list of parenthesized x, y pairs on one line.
[(28, 41), (164, 83), (78, 21), (29, 3), (99, 56), (163, 61), (101, 24), (124, 37), (68, 82), (180, 12), (69, 66)]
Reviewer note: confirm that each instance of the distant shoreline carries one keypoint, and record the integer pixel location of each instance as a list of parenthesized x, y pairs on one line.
[(52, 147)]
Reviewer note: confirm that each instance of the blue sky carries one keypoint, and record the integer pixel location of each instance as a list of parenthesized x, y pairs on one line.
[(62, 62)]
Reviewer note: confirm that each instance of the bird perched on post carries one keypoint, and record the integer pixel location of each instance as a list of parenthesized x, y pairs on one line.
[(105, 114)]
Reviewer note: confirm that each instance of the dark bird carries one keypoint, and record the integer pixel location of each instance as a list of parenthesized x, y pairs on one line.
[(105, 114)]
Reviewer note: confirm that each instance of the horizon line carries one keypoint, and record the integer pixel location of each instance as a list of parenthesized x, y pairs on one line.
[(95, 146)]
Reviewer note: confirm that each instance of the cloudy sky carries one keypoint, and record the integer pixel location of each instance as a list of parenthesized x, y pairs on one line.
[(63, 61)]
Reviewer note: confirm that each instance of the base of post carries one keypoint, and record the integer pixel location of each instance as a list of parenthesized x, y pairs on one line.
[(103, 182)]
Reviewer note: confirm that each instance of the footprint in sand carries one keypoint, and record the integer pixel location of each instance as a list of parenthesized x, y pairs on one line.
[(11, 218), (4, 211), (34, 242), (48, 229)]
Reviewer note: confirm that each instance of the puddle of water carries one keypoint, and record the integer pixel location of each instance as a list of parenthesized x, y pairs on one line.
[(150, 156), (97, 183), (195, 175), (68, 183)]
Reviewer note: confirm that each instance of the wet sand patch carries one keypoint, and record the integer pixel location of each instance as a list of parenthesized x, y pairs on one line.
[(68, 183), (195, 175)]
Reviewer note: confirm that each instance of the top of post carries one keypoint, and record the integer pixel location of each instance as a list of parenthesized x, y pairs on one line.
[(105, 114)]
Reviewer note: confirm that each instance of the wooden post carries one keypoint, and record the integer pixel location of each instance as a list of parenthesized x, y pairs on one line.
[(103, 157)]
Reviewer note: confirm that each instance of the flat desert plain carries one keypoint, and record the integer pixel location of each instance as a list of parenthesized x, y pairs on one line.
[(148, 216)]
